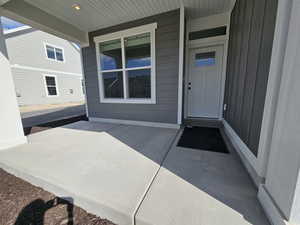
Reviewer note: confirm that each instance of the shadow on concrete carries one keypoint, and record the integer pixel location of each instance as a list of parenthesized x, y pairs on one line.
[(34, 212), (36, 118), (221, 176)]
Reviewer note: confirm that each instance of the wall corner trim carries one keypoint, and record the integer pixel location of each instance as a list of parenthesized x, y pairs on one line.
[(181, 64), (4, 145), (269, 206), (246, 156), (135, 123)]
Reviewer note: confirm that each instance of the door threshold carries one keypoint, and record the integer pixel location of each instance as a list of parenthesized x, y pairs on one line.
[(203, 122)]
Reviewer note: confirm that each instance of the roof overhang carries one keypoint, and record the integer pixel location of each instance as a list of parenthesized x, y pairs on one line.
[(62, 19), (2, 2)]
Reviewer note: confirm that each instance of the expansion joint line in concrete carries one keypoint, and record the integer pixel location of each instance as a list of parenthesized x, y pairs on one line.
[(154, 177)]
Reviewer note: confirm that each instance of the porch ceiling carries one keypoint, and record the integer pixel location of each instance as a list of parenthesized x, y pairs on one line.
[(61, 19), (96, 14)]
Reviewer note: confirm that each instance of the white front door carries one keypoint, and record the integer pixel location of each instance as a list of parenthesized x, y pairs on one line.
[(205, 82)]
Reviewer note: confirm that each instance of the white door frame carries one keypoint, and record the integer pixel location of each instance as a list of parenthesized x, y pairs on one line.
[(203, 44)]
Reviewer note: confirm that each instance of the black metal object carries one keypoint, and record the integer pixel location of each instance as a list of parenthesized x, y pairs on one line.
[(218, 31)]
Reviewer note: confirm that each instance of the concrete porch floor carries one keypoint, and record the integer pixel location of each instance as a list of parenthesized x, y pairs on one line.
[(114, 171)]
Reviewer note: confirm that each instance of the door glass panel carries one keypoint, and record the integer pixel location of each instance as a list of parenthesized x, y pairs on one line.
[(205, 59), (138, 50), (113, 84), (111, 55)]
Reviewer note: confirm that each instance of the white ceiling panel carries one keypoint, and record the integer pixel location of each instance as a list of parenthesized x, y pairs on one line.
[(96, 14)]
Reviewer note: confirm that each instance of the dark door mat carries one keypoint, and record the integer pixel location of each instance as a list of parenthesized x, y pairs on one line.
[(203, 138)]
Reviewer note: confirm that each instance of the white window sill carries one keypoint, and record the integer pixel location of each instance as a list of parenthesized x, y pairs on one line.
[(128, 101)]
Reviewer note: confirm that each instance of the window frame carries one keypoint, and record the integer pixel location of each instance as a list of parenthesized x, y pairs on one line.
[(46, 86), (149, 28), (55, 47)]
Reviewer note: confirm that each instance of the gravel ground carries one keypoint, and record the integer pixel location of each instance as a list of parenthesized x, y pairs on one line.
[(24, 204)]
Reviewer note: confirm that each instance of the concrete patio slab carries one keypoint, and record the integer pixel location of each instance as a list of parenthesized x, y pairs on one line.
[(197, 187), (105, 168)]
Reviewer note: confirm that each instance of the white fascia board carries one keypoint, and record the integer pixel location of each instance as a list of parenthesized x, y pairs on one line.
[(127, 32)]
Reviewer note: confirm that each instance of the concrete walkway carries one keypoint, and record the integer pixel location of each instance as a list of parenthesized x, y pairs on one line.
[(197, 187), (114, 171)]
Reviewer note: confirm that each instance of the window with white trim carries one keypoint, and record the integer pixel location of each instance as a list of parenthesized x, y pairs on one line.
[(126, 65), (54, 53), (51, 85)]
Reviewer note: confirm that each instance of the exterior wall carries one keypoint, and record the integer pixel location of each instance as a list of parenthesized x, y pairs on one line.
[(29, 62), (27, 48), (37, 94), (250, 49), (167, 60)]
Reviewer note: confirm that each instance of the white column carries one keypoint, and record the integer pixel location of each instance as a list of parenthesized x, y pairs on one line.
[(11, 130), (280, 196)]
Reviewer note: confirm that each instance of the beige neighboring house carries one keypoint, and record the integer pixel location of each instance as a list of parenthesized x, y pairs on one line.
[(46, 69)]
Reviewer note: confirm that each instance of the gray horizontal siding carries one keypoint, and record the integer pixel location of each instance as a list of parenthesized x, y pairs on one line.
[(30, 86), (250, 48), (167, 50)]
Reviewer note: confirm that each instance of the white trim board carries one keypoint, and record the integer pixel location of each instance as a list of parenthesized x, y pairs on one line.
[(247, 157), (135, 123), (10, 31), (121, 35), (181, 63), (83, 80), (202, 23), (127, 32), (17, 66), (269, 206)]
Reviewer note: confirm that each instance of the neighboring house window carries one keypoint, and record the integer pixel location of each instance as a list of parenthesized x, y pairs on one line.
[(54, 53), (126, 65), (51, 85)]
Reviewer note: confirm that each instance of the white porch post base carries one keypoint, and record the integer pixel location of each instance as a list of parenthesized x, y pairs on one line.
[(11, 130), (271, 209)]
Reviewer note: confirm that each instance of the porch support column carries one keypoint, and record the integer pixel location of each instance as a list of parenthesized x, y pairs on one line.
[(11, 130), (280, 195)]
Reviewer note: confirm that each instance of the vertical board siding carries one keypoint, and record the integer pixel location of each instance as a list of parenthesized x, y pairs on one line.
[(249, 55), (167, 59)]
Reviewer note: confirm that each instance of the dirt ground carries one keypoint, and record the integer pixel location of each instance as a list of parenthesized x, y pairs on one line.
[(24, 204), (32, 108)]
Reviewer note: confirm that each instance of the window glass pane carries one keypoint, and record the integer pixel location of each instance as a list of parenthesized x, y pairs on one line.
[(110, 55), (205, 59), (138, 50), (59, 54), (139, 83), (52, 91), (50, 52), (50, 81), (113, 84)]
